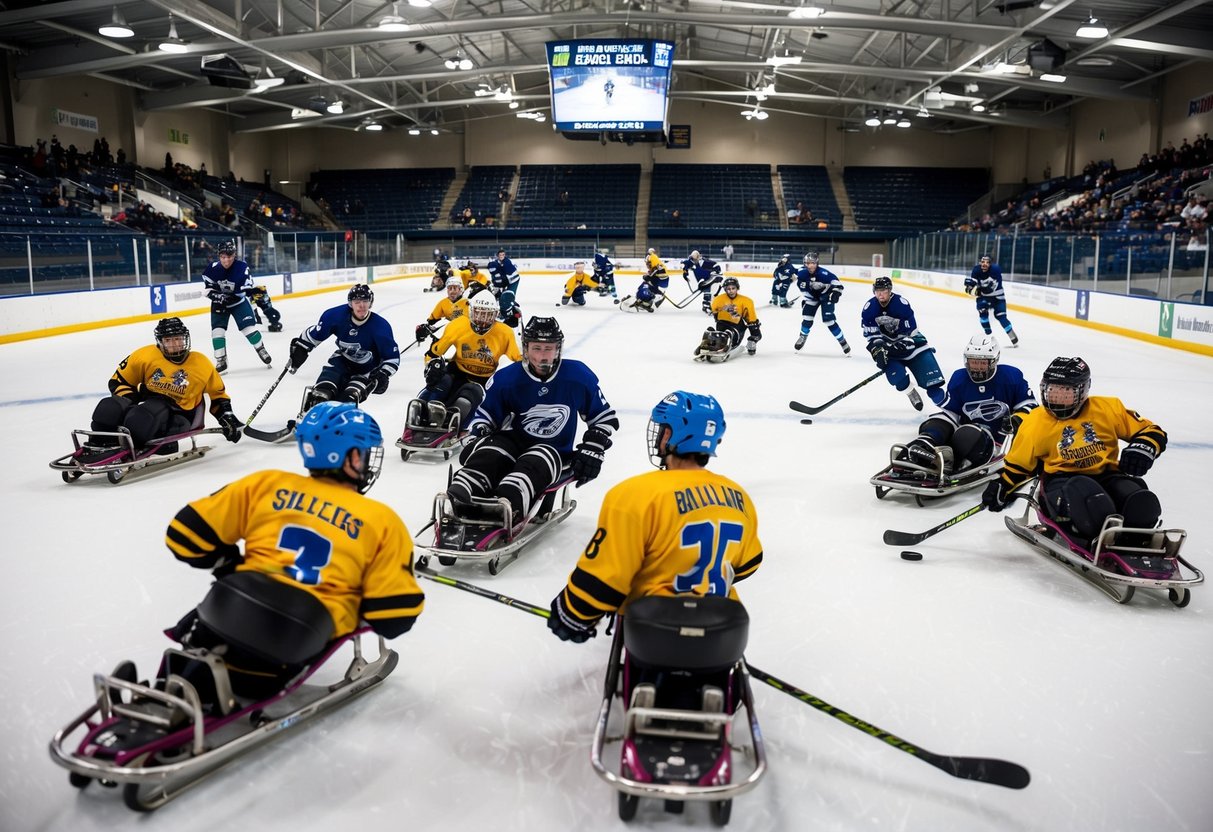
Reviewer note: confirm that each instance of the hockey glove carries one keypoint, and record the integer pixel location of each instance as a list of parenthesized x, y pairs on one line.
[(587, 459), (970, 285), (755, 330), (232, 429), (565, 626), (423, 332), (379, 379), (997, 495), (300, 350), (476, 434), (834, 295), (434, 371), (880, 352), (1137, 459)]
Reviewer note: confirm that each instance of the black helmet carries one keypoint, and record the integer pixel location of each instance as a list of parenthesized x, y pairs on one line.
[(361, 291), (227, 247), (172, 328), (1061, 375), (542, 331), (730, 283), (882, 283)]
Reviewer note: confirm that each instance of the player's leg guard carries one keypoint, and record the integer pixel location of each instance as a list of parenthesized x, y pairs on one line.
[(1133, 499), (579, 296), (467, 398), (491, 459), (973, 445), (357, 388), (322, 391), (147, 421), (937, 430), (536, 469), (110, 412), (897, 376), (983, 315), (1081, 502)]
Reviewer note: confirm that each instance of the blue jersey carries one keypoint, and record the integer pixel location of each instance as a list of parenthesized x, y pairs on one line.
[(368, 345), (895, 325), (989, 284), (545, 412), (818, 286), (785, 272), (706, 271), (603, 267), (227, 286), (503, 274), (988, 403)]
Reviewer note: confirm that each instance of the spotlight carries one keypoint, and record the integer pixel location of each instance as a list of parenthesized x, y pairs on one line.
[(979, 108), (1092, 29), (873, 120), (172, 43), (393, 22), (335, 107), (117, 27), (1053, 77), (803, 12), (414, 131)]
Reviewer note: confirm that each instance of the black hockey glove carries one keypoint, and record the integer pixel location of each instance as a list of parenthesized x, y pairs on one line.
[(232, 429), (300, 350), (1137, 459), (970, 285), (755, 331), (834, 295), (423, 332), (880, 352), (434, 371), (587, 459), (379, 379), (565, 627), (997, 495)]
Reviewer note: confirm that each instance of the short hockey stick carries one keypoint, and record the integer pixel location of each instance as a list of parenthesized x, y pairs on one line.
[(982, 769), (436, 577), (682, 304), (804, 408), (273, 436), (896, 538), (267, 395), (434, 330)]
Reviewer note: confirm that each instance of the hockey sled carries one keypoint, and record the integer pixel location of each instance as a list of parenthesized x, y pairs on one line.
[(425, 435), (676, 667), (486, 529), (1119, 560), (158, 743), (113, 453), (937, 480), (717, 350)]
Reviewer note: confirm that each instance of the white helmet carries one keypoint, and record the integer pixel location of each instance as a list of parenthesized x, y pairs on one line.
[(695, 255), (456, 282), (652, 251), (983, 349), (482, 312)]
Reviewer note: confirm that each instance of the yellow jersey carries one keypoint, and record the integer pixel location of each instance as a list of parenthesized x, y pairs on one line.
[(738, 310), (146, 370), (576, 280), (469, 277), (351, 552), (476, 355), (665, 533), (1088, 443), (445, 309), (654, 264)]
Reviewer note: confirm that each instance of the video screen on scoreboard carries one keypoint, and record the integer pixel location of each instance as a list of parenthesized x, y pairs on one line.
[(609, 85)]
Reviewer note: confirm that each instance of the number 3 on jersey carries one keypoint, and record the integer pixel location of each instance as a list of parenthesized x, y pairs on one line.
[(712, 542), (312, 553)]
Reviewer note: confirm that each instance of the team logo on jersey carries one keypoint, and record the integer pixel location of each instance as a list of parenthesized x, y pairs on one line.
[(988, 411), (545, 420), (179, 381), (1067, 437), (1088, 432)]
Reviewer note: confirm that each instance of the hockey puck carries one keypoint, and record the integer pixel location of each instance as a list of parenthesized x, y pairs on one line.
[(908, 555), (806, 421)]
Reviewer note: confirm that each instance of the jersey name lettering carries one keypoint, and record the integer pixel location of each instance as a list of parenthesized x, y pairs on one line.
[(690, 499), (286, 499)]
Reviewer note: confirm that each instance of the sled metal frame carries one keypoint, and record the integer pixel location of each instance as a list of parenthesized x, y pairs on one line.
[(126, 460), (906, 477)]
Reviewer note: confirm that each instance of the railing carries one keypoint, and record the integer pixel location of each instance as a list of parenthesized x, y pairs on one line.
[(1169, 265)]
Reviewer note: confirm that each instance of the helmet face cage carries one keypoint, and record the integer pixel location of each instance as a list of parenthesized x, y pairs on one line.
[(1065, 387), (696, 424), (482, 313), (172, 328), (984, 349), (330, 430)]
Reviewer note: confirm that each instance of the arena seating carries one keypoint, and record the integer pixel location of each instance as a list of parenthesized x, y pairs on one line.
[(810, 184), (712, 197), (912, 199), (392, 199), (599, 197), (480, 192)]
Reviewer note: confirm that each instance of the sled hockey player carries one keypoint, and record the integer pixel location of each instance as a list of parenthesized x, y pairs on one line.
[(227, 282), (474, 280), (958, 447), (669, 547), (1097, 513), (525, 433), (577, 285), (366, 358), (604, 274), (453, 306), (442, 274), (707, 274), (454, 387), (156, 400), (260, 297), (609, 89), (985, 284), (897, 347), (504, 280), (318, 559), (650, 294), (783, 276), (819, 288), (735, 316)]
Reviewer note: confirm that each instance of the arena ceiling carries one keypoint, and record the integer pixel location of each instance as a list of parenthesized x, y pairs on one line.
[(938, 57)]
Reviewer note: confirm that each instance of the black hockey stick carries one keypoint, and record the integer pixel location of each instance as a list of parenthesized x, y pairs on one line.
[(273, 436), (267, 395), (982, 769), (682, 304), (804, 408), (434, 330), (436, 577), (896, 538)]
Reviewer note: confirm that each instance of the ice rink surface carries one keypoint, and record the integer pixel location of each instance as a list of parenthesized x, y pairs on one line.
[(984, 648), (588, 102)]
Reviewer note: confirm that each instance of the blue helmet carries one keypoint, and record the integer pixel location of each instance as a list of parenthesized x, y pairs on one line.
[(644, 293), (696, 424), (330, 430)]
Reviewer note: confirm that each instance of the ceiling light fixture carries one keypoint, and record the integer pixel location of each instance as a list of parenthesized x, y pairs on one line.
[(782, 58), (979, 108), (433, 131), (421, 4), (1053, 78), (372, 126), (888, 119), (873, 120), (459, 61), (902, 121), (1092, 29), (266, 79), (172, 43), (336, 107), (922, 113), (414, 131), (513, 105), (756, 113), (802, 12), (117, 27), (393, 22)]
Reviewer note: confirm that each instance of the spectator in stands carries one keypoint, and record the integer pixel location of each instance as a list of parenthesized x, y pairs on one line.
[(466, 218), (564, 199), (121, 157), (676, 218), (727, 251), (1194, 210), (503, 195), (751, 207)]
